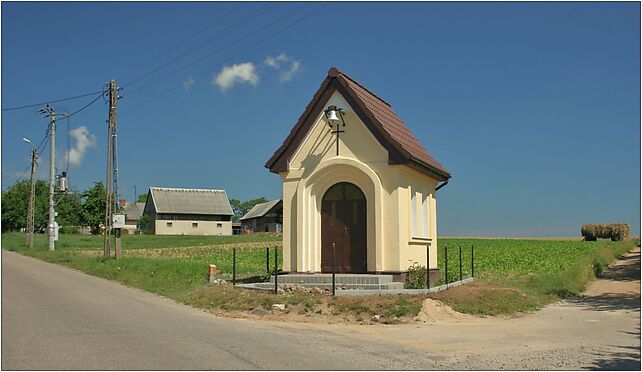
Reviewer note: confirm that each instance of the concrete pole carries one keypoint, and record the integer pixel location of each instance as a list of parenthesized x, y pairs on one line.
[(52, 176), (32, 196)]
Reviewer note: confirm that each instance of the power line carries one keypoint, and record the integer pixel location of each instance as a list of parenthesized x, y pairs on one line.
[(166, 51), (213, 38), (228, 59), (41, 146), (47, 102), (100, 94), (233, 43)]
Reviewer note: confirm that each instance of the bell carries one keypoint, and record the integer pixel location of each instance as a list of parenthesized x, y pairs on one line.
[(332, 116)]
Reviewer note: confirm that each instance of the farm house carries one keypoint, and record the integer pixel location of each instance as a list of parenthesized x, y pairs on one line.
[(264, 217), (356, 179), (177, 211)]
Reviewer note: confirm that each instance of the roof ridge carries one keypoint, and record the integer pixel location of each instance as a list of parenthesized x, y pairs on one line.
[(184, 189), (334, 72)]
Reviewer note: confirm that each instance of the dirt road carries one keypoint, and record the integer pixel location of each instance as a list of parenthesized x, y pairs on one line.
[(600, 330), (56, 318)]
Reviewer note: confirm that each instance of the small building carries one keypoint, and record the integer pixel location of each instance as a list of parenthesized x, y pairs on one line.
[(356, 179), (133, 213), (177, 211), (237, 229), (264, 217)]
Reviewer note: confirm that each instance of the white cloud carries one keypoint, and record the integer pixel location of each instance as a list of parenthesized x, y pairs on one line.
[(286, 76), (187, 83), (84, 140), (275, 62), (236, 74)]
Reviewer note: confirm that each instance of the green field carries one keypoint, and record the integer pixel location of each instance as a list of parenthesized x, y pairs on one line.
[(512, 275)]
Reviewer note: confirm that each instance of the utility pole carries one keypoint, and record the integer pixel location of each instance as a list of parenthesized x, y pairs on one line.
[(108, 180), (52, 174), (32, 196), (111, 182)]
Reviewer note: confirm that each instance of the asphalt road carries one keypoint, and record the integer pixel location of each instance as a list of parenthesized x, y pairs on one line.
[(57, 318)]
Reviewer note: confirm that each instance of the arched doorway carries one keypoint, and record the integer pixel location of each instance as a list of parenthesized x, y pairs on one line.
[(343, 223)]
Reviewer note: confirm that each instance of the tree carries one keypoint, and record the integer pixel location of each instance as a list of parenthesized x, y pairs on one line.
[(15, 203), (236, 209), (240, 208), (93, 207), (69, 207), (142, 198)]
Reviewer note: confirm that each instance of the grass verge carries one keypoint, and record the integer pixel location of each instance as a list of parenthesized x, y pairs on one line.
[(512, 276)]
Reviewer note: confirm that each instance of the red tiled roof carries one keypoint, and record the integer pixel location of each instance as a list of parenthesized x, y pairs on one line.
[(377, 114)]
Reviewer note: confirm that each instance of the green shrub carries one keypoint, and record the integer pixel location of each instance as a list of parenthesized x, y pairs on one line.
[(416, 277)]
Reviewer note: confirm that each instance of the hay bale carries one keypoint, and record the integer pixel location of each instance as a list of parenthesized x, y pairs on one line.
[(614, 231)]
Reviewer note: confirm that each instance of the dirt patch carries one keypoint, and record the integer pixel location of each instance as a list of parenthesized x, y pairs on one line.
[(622, 277), (185, 252)]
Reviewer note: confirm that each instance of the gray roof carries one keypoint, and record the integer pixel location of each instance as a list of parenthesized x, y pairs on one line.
[(190, 201), (134, 210), (260, 209)]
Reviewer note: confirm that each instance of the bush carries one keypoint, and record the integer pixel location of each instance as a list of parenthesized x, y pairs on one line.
[(69, 230), (416, 278)]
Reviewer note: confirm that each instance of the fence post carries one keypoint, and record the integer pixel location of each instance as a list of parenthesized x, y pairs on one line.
[(334, 269), (234, 266), (460, 272), (446, 263), (276, 270), (267, 260), (428, 266), (472, 261)]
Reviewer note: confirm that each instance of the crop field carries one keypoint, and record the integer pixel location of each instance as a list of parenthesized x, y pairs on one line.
[(511, 275)]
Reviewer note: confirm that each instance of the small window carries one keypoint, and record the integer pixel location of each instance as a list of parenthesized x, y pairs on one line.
[(194, 225), (169, 224), (219, 225)]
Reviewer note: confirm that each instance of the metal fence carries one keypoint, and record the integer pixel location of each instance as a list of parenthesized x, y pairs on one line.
[(457, 265)]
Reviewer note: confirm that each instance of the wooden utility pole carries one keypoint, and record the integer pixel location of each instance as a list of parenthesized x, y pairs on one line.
[(32, 196), (111, 123), (52, 175)]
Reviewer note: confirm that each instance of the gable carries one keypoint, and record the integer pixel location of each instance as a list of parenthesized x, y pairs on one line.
[(320, 144), (375, 113)]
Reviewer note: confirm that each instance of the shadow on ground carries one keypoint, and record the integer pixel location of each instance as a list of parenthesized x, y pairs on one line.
[(627, 270), (627, 358), (608, 302)]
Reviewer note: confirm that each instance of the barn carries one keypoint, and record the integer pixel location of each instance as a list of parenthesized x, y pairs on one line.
[(264, 217), (180, 211)]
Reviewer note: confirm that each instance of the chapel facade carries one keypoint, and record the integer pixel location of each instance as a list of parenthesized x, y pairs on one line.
[(359, 190)]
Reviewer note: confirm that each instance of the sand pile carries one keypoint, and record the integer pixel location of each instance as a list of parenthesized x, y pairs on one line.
[(436, 311)]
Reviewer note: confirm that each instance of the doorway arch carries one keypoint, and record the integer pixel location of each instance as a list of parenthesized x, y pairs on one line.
[(344, 225)]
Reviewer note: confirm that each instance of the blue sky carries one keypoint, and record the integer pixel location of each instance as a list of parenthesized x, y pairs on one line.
[(533, 107)]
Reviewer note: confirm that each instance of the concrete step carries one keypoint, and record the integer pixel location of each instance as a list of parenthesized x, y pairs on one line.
[(347, 279), (391, 285)]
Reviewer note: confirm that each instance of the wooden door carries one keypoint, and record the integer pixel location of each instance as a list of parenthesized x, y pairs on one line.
[(343, 223)]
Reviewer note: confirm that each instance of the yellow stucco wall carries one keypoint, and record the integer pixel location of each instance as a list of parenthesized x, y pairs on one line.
[(315, 167), (180, 227)]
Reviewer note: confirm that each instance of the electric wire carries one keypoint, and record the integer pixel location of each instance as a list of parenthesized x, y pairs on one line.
[(228, 59), (41, 146), (100, 95), (166, 51), (233, 43), (47, 102), (217, 36)]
